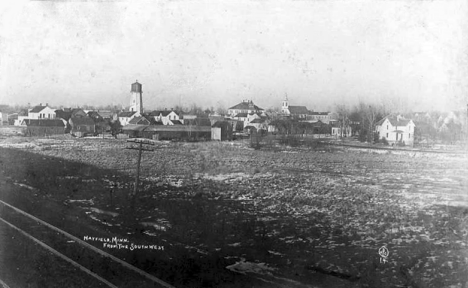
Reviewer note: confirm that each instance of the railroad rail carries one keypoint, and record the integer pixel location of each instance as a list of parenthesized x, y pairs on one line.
[(3, 284), (105, 267)]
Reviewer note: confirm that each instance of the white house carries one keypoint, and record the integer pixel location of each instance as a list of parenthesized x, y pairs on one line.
[(167, 117), (125, 117), (396, 129), (41, 112), (245, 107), (170, 117)]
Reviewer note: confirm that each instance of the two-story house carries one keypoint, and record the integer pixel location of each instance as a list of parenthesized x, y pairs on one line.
[(244, 108), (396, 129), (41, 112)]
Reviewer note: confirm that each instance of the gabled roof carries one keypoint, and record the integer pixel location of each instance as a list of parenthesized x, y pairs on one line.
[(82, 121), (75, 111), (246, 106), (394, 121), (381, 121), (257, 120), (126, 113), (139, 120), (44, 122), (37, 109), (105, 114), (167, 112), (63, 114), (298, 110), (176, 122), (94, 114)]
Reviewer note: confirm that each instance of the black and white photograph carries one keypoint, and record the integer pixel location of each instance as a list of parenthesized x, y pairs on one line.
[(220, 143)]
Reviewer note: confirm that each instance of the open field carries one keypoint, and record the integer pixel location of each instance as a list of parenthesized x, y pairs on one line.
[(295, 217)]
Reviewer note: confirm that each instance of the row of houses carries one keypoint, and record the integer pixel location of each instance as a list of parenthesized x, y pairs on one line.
[(43, 120), (165, 124), (254, 117), (394, 128)]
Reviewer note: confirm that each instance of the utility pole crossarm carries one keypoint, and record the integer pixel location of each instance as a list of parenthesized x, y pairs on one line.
[(142, 141)]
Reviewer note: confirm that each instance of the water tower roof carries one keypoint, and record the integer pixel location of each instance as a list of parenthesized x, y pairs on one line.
[(136, 87)]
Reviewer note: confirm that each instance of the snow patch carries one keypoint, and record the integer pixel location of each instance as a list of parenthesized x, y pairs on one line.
[(157, 226), (89, 202), (244, 267), (96, 210)]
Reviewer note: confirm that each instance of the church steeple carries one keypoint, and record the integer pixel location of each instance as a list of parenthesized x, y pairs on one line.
[(285, 106)]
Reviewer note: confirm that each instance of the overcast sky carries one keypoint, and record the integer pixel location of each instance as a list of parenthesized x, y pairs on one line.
[(216, 53)]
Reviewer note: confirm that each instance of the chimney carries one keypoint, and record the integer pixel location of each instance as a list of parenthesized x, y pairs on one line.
[(172, 109), (46, 104), (40, 104)]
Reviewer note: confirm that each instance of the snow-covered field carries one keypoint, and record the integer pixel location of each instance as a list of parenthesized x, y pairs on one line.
[(277, 212)]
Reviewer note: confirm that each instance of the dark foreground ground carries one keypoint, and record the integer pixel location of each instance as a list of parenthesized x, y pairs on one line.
[(223, 215)]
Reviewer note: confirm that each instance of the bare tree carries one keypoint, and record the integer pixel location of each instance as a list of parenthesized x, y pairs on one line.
[(221, 110), (343, 113), (370, 114)]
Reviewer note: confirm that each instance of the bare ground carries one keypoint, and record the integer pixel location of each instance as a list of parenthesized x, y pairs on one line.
[(295, 217)]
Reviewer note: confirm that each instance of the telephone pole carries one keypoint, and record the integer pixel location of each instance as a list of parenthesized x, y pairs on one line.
[(140, 149)]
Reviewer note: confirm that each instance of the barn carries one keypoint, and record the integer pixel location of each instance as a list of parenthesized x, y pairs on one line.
[(44, 127)]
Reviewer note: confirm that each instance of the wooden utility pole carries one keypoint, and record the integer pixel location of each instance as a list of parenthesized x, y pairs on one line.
[(137, 176), (140, 148)]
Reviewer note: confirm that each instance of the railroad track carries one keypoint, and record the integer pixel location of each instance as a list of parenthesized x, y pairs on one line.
[(106, 268)]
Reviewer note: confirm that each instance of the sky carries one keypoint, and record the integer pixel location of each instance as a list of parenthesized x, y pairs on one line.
[(320, 53)]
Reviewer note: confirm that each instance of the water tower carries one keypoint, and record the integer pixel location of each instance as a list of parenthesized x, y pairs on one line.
[(136, 98)]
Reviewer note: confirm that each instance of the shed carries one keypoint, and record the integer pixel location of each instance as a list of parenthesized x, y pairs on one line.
[(221, 130)]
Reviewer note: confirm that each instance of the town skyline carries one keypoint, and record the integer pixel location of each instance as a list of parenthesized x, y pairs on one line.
[(319, 54)]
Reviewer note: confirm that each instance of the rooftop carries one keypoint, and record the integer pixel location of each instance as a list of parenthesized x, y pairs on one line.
[(246, 105)]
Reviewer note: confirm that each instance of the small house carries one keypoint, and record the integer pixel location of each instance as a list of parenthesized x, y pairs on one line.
[(81, 126), (125, 117)]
